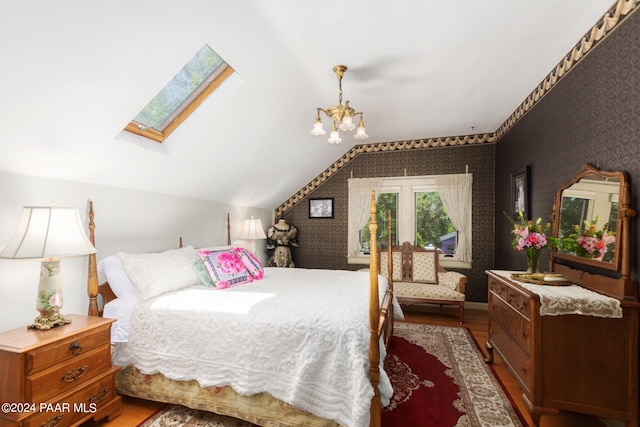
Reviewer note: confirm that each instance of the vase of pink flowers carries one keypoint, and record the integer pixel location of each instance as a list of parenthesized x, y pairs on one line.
[(530, 238)]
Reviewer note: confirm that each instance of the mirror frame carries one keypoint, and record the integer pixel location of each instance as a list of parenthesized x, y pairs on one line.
[(622, 255)]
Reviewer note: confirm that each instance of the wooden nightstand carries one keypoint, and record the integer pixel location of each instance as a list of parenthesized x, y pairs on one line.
[(60, 377)]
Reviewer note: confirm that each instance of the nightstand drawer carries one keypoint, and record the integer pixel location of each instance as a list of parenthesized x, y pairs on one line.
[(66, 376), (82, 403), (67, 349)]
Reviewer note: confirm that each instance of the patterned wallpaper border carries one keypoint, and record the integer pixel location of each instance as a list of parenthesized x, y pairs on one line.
[(599, 31), (381, 147)]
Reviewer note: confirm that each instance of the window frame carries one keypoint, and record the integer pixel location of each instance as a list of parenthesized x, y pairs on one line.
[(190, 104), (406, 187)]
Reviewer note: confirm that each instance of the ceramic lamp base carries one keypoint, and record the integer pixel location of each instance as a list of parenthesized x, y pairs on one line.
[(49, 300)]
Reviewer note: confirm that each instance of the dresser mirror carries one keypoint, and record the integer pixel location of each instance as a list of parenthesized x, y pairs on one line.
[(591, 215), (592, 199)]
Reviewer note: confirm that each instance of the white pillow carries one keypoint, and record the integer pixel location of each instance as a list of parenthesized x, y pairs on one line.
[(111, 268), (158, 273)]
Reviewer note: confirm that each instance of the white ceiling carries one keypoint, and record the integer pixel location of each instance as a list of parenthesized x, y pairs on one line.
[(75, 72)]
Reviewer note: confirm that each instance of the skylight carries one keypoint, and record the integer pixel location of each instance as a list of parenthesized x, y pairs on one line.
[(181, 96)]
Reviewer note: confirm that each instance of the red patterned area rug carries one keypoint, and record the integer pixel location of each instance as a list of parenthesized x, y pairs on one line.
[(439, 379)]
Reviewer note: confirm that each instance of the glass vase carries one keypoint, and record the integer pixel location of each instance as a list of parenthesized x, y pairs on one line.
[(533, 255)]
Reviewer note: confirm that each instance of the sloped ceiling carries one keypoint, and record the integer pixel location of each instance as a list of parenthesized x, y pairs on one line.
[(75, 72)]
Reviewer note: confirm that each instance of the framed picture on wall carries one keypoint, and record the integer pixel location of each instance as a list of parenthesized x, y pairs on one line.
[(321, 208), (520, 192)]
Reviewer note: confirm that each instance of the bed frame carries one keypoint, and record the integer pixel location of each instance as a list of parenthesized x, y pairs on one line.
[(261, 409)]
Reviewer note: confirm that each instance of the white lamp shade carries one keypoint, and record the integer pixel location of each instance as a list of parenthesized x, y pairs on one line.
[(253, 229), (361, 133), (48, 232), (317, 129), (347, 123), (334, 137)]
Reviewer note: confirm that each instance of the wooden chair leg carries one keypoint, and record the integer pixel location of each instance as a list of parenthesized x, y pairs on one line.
[(461, 304)]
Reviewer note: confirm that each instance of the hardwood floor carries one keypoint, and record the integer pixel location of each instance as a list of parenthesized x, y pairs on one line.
[(134, 411)]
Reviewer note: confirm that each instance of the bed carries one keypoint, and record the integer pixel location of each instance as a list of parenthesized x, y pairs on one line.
[(326, 369)]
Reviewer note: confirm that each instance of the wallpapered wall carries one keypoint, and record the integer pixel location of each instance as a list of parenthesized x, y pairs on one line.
[(323, 242), (591, 116)]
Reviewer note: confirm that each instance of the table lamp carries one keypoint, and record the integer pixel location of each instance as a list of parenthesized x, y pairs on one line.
[(48, 233), (253, 230)]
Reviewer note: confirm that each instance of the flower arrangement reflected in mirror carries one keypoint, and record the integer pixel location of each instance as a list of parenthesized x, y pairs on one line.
[(587, 241)]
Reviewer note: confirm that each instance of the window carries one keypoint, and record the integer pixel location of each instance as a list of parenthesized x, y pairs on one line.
[(419, 216), (181, 96), (385, 202), (434, 229)]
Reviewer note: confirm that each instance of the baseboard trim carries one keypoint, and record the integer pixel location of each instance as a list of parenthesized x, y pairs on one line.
[(476, 305)]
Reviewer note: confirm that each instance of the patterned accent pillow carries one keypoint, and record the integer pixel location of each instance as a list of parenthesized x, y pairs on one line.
[(397, 264), (203, 273), (225, 268), (250, 262), (424, 267)]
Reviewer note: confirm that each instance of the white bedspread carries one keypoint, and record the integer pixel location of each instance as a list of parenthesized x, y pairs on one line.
[(300, 335)]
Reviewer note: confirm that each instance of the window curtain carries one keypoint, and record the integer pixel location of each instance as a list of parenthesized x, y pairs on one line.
[(359, 214), (455, 193)]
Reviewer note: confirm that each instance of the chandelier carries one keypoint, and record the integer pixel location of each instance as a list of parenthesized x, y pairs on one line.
[(342, 115)]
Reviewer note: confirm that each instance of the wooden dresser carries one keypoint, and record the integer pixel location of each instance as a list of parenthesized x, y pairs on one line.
[(59, 377), (577, 363)]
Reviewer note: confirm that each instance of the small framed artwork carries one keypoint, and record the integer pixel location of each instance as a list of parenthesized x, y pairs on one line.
[(321, 208), (520, 192)]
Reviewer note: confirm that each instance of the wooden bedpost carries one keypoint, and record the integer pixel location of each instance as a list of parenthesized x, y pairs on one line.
[(92, 277), (389, 251), (391, 315), (374, 318), (228, 229)]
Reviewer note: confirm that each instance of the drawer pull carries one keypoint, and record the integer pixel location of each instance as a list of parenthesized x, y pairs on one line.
[(52, 422), (100, 396), (517, 303), (75, 374), (75, 348)]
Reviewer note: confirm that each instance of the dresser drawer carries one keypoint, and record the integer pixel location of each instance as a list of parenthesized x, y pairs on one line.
[(64, 377), (518, 362), (519, 302), (514, 324), (80, 404), (67, 349), (498, 288)]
